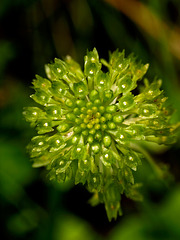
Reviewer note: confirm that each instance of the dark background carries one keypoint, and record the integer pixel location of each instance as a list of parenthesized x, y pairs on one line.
[(33, 33)]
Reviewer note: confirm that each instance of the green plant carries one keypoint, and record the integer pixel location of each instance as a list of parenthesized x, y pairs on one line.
[(89, 124)]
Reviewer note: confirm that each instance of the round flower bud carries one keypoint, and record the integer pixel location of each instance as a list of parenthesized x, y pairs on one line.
[(107, 140), (94, 95), (77, 129), (92, 131), (63, 127), (108, 116), (76, 111), (95, 148), (71, 116), (89, 104), (101, 109), (75, 139), (90, 139), (108, 94), (80, 103), (69, 103), (111, 125), (78, 120), (98, 135), (97, 102), (111, 109), (118, 118)]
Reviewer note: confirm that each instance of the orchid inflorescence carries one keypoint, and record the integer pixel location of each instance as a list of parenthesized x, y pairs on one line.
[(89, 122)]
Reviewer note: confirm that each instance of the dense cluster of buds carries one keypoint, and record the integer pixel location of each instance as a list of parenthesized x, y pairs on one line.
[(88, 123)]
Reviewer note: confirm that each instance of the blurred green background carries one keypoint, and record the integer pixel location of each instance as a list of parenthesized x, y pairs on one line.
[(33, 33)]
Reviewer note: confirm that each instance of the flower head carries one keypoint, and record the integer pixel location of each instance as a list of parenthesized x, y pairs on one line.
[(88, 123)]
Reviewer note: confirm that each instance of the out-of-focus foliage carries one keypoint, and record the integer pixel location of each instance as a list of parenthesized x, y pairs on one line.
[(32, 33), (154, 222)]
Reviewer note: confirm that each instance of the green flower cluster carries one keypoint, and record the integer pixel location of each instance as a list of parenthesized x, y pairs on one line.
[(88, 123)]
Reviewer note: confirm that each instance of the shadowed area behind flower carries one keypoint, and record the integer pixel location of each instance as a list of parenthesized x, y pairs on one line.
[(32, 34)]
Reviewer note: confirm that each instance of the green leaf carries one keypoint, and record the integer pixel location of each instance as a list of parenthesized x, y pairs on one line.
[(132, 160), (32, 114), (44, 126), (74, 67), (41, 83), (94, 182), (41, 97), (80, 89), (54, 112), (126, 102), (101, 81), (91, 63), (112, 197)]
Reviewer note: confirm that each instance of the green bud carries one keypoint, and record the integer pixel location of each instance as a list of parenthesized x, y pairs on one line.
[(111, 125), (94, 182), (108, 94), (77, 111), (98, 135), (91, 65), (80, 103), (80, 89), (71, 116), (126, 84), (126, 102), (118, 118), (41, 97), (108, 116), (89, 112), (77, 129), (78, 120), (97, 126), (94, 109), (83, 125), (32, 114), (103, 127), (101, 109), (102, 119), (111, 109), (98, 115), (58, 88), (97, 102), (90, 139), (89, 125), (94, 95), (83, 109), (107, 140), (84, 164), (147, 110), (44, 126), (92, 131), (39, 144), (95, 148), (89, 104), (85, 132), (69, 103), (75, 139), (63, 127), (101, 80), (41, 83)]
